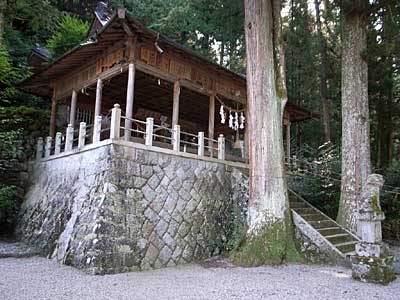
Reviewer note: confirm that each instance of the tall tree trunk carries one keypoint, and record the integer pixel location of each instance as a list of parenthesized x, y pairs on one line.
[(356, 161), (269, 233), (322, 73)]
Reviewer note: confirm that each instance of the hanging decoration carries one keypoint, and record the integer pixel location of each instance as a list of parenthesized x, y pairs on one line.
[(235, 121), (230, 120), (222, 114), (242, 119), (236, 124)]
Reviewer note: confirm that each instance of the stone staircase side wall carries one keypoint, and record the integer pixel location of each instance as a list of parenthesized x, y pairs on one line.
[(312, 245)]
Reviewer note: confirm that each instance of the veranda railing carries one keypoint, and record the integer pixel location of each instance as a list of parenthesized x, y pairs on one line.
[(76, 139)]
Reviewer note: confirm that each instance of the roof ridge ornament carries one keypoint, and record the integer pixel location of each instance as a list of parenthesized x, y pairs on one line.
[(161, 51)]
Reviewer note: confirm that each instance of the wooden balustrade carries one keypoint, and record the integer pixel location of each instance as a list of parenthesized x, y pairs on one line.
[(115, 133)]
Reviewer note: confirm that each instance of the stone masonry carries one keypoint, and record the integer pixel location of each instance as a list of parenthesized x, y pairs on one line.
[(117, 208)]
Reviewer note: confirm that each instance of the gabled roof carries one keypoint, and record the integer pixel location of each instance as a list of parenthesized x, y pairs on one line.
[(112, 32), (102, 15)]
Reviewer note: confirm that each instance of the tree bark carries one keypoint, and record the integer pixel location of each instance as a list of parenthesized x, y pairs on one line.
[(322, 73), (269, 219), (356, 161)]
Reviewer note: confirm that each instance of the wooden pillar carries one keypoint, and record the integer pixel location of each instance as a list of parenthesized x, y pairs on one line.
[(175, 107), (288, 141), (53, 117), (72, 112), (99, 95), (211, 119), (129, 100)]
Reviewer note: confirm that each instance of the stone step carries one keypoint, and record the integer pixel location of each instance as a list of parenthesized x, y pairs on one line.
[(340, 238), (337, 238), (330, 231), (346, 246), (307, 210), (298, 205), (321, 224), (314, 217)]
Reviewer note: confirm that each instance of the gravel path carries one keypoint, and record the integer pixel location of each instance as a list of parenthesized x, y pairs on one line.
[(39, 278)]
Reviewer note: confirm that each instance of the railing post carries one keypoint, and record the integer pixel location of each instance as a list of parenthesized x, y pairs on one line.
[(149, 131), (176, 138), (47, 147), (200, 150), (221, 147), (39, 149), (97, 129), (57, 144), (82, 135), (115, 122), (69, 138)]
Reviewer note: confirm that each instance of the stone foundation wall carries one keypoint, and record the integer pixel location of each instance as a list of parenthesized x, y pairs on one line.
[(118, 208)]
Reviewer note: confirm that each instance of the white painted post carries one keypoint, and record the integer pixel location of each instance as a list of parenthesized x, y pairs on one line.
[(149, 131), (200, 150), (97, 129), (57, 144), (69, 138), (82, 135), (221, 147), (99, 95), (39, 149), (115, 122), (176, 138), (47, 147)]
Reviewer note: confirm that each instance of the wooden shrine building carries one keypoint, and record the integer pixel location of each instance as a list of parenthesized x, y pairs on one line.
[(148, 75)]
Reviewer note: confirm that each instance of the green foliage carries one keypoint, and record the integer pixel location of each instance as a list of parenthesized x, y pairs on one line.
[(7, 196), (390, 202), (315, 175), (31, 15), (19, 127), (237, 224), (202, 25), (7, 71), (69, 32)]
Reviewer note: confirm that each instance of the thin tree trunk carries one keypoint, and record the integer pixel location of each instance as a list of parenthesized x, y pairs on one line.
[(269, 219), (386, 107), (356, 161), (322, 74), (2, 8), (222, 53)]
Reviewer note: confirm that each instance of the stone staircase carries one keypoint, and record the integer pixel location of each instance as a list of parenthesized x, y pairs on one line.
[(324, 232)]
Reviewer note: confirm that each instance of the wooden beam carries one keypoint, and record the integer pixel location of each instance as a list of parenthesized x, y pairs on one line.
[(53, 118), (211, 120), (127, 29), (72, 112), (175, 106)]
